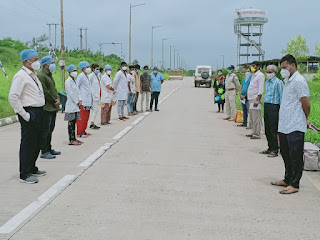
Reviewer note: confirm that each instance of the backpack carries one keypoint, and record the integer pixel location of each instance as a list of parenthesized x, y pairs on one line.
[(311, 157)]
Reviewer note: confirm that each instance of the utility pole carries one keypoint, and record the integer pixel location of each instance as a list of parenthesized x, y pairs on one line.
[(81, 39), (62, 64), (163, 39), (152, 44), (55, 33), (222, 61), (49, 24), (86, 38), (170, 57), (132, 6)]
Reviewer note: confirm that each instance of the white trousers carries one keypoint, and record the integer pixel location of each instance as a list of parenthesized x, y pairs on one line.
[(145, 95), (94, 110)]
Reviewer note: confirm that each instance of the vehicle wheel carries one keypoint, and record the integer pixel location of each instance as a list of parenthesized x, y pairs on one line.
[(209, 85), (205, 75)]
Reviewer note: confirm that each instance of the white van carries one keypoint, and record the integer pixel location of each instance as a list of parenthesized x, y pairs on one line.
[(203, 75)]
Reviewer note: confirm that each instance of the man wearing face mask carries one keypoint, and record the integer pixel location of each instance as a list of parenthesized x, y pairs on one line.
[(145, 88), (232, 86), (243, 97), (156, 82), (107, 94), (255, 92), (94, 79), (50, 108), (137, 86), (27, 100), (84, 86), (293, 116), (120, 85), (272, 100), (132, 91)]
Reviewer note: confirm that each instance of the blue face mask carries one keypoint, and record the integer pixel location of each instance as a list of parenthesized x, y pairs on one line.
[(155, 71), (96, 72), (229, 71), (146, 71), (138, 71), (52, 67)]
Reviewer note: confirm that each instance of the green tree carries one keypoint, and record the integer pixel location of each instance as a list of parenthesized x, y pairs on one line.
[(298, 48), (318, 49), (135, 62)]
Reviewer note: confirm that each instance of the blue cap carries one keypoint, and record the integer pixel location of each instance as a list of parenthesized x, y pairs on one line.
[(46, 60), (71, 68), (83, 64), (28, 53), (231, 67), (107, 67)]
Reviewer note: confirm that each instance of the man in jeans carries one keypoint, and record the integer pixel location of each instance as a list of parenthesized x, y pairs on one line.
[(255, 92), (243, 97), (272, 100), (156, 81), (50, 108), (145, 87), (293, 115)]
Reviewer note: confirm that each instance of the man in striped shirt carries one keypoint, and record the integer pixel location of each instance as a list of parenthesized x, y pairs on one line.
[(272, 100)]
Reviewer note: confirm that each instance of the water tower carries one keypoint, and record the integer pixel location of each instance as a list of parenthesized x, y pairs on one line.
[(248, 26)]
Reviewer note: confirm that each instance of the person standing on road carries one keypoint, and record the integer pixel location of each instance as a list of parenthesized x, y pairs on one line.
[(132, 91), (120, 85), (137, 86), (219, 91), (50, 108), (272, 100), (107, 92), (145, 87), (232, 87), (255, 92), (94, 79), (84, 86), (293, 117), (73, 104), (156, 82), (27, 100), (244, 98)]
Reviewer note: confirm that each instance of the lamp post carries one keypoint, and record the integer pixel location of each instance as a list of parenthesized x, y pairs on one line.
[(132, 6), (222, 60), (170, 57), (153, 27), (163, 39)]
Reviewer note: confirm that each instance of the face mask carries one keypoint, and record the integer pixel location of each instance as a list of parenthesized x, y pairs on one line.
[(52, 67), (132, 72), (248, 74), (270, 76), (138, 71), (146, 71), (253, 69), (96, 72), (229, 71), (155, 71), (88, 70), (36, 65), (109, 72), (124, 68), (285, 73), (74, 74), (219, 73)]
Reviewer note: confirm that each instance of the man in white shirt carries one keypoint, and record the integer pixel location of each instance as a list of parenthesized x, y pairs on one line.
[(293, 116), (254, 94), (96, 91), (132, 91), (27, 100), (84, 86), (107, 93), (120, 85)]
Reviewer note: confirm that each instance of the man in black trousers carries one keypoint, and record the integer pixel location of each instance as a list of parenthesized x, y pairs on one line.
[(27, 100)]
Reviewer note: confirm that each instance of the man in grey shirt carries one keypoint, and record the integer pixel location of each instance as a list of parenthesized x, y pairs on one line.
[(145, 89)]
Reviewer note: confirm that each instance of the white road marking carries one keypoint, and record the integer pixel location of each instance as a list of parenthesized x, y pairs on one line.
[(33, 208), (138, 120), (95, 156), (122, 133), (146, 114)]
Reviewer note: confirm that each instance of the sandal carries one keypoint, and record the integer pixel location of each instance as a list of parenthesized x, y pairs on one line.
[(289, 190), (241, 125), (280, 183), (79, 141), (74, 143), (266, 152), (273, 155), (87, 134)]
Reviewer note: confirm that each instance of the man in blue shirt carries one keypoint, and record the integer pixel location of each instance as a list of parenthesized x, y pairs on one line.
[(272, 100), (243, 97), (156, 81)]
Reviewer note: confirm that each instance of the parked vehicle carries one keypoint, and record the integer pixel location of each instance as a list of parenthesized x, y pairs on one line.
[(203, 76)]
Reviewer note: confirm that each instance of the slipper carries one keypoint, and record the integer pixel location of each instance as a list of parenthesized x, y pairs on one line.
[(265, 152), (289, 191), (249, 135), (74, 143), (273, 155), (79, 141), (277, 183), (241, 125)]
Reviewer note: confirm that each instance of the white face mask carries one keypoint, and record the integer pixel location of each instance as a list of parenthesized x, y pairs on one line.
[(74, 74), (285, 73), (270, 76), (88, 70), (109, 72), (133, 72), (248, 75), (124, 68), (36, 65)]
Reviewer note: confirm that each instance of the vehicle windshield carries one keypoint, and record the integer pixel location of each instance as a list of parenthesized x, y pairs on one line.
[(202, 70)]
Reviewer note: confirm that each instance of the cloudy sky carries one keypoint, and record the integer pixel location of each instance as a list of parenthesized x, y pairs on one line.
[(201, 30)]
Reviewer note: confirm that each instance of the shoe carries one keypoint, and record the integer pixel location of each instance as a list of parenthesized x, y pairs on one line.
[(231, 119), (39, 173), (54, 152), (255, 137), (241, 125), (121, 119), (48, 155), (93, 126), (157, 110), (30, 180), (125, 117), (249, 135)]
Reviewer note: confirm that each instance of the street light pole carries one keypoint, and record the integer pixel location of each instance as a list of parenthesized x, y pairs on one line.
[(132, 6), (222, 61), (153, 27), (163, 39), (170, 57)]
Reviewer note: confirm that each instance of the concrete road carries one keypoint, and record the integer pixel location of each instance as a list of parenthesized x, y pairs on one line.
[(181, 173)]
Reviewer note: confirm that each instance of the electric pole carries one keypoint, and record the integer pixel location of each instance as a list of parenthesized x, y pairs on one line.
[(170, 57), (81, 39), (55, 33), (86, 38), (62, 63)]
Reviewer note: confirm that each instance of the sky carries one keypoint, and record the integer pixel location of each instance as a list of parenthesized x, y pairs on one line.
[(202, 31)]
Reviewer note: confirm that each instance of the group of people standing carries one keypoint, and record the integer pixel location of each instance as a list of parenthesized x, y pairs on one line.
[(34, 97), (286, 110)]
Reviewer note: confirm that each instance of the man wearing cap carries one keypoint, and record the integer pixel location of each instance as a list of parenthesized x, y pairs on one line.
[(232, 86), (94, 79), (120, 84), (84, 86), (107, 94), (50, 108), (27, 100)]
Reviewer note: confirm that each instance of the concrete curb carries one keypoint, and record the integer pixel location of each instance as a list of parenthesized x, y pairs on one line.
[(8, 120)]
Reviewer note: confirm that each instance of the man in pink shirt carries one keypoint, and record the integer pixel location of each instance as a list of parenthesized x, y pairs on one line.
[(255, 92)]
